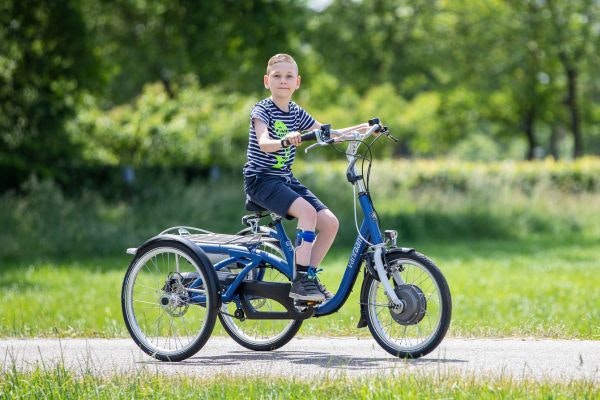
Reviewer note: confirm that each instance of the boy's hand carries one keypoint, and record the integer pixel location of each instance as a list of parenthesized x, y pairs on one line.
[(364, 126), (293, 138)]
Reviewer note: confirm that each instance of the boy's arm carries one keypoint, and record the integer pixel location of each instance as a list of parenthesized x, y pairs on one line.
[(269, 145), (362, 128)]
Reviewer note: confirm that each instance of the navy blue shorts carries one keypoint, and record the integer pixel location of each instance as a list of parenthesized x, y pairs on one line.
[(277, 193)]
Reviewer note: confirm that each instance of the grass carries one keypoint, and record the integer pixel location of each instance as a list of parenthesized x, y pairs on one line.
[(62, 299), (59, 383), (540, 288), (543, 288)]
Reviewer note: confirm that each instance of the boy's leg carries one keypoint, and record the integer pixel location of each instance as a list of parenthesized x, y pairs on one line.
[(327, 226), (307, 221), (304, 286)]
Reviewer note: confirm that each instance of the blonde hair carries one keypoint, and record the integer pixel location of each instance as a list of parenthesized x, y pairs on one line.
[(280, 58)]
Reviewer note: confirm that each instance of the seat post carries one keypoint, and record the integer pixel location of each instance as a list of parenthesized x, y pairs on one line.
[(275, 218), (255, 223)]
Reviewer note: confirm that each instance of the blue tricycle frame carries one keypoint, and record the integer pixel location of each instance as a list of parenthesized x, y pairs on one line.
[(251, 257)]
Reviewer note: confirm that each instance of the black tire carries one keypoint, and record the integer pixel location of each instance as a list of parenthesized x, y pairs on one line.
[(420, 327), (261, 335), (155, 300)]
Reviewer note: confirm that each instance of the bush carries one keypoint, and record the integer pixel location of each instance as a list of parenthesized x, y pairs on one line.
[(208, 126), (200, 126), (427, 199), (423, 200)]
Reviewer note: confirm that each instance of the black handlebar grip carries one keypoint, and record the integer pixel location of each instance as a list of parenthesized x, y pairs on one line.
[(374, 121), (308, 136)]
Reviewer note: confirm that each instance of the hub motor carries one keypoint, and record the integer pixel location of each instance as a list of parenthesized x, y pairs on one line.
[(414, 302)]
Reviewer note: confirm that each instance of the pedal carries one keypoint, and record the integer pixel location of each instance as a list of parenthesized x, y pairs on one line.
[(306, 303)]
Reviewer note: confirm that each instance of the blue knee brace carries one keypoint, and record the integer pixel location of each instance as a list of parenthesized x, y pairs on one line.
[(304, 236)]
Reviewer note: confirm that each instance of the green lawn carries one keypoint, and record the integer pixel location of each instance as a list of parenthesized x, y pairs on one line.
[(541, 288), (61, 384)]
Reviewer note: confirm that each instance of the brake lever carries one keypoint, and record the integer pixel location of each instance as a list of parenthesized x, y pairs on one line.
[(385, 131), (325, 143), (389, 135), (306, 150)]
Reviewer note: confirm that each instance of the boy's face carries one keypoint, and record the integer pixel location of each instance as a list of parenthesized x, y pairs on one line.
[(282, 80)]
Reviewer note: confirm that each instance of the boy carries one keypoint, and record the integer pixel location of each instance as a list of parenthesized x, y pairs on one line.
[(275, 126)]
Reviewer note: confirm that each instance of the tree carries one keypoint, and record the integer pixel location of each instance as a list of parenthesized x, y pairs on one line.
[(230, 41), (223, 42), (496, 65), (575, 38), (138, 42), (45, 64), (367, 43)]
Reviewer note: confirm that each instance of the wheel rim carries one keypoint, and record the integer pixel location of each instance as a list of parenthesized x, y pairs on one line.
[(158, 303), (408, 336)]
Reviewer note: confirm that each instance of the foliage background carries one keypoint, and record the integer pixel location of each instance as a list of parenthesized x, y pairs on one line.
[(170, 82), (118, 118)]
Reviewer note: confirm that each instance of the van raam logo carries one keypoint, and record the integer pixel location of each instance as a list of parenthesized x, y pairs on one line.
[(289, 246), (355, 251), (374, 217)]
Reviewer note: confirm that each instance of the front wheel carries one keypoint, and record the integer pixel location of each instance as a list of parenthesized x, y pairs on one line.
[(417, 326)]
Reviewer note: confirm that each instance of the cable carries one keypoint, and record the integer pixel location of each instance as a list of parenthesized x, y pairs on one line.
[(368, 158), (354, 197)]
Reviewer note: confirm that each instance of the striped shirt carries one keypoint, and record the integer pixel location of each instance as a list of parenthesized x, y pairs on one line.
[(279, 124)]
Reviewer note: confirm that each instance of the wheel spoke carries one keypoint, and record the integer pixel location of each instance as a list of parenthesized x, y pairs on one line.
[(147, 302)]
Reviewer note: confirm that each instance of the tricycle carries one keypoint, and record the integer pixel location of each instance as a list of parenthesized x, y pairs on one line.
[(181, 280)]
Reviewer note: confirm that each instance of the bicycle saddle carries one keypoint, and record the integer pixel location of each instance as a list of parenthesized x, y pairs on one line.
[(252, 206)]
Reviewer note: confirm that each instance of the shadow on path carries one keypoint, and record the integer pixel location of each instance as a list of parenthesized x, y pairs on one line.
[(305, 358)]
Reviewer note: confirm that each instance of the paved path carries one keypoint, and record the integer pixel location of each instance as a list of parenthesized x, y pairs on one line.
[(309, 357)]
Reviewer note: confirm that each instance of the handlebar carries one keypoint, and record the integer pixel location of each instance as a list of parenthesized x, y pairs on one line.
[(323, 135)]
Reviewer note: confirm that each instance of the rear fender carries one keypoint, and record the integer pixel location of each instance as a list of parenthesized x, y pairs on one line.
[(197, 254)]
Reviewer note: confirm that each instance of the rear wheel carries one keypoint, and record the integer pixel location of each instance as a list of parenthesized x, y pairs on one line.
[(165, 301), (260, 334), (421, 322)]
